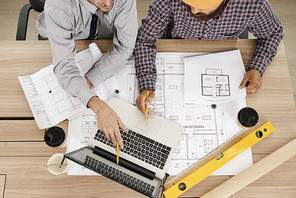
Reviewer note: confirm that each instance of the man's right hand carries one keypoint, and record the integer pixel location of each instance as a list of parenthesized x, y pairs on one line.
[(252, 81), (142, 101), (108, 121)]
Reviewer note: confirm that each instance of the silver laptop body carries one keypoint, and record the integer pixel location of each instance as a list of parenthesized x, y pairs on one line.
[(157, 135)]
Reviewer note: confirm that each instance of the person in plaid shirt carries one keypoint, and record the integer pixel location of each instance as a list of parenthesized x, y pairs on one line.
[(206, 20)]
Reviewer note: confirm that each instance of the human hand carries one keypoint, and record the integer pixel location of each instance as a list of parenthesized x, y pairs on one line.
[(88, 82), (142, 100), (252, 81), (108, 121)]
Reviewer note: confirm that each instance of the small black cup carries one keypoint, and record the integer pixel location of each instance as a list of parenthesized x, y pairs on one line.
[(247, 117), (54, 136)]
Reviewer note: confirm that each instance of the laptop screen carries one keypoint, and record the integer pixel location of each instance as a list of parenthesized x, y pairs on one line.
[(87, 158)]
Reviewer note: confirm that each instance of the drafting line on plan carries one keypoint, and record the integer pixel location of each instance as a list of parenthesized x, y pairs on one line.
[(214, 83)]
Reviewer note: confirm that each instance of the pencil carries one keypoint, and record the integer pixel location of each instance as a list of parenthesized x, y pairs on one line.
[(117, 156), (146, 106)]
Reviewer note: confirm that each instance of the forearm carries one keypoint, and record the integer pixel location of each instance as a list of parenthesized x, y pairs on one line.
[(63, 48), (153, 27), (146, 72), (108, 65), (265, 50), (73, 83), (268, 29), (126, 27)]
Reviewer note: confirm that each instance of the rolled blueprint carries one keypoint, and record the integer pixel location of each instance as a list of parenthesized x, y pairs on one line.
[(95, 51), (254, 172)]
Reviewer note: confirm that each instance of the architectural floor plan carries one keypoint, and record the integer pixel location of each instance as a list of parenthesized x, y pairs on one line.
[(206, 126), (49, 102), (214, 83), (213, 77), (61, 100)]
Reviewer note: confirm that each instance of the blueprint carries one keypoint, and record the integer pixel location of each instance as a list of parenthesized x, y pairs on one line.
[(213, 78), (49, 102), (206, 126)]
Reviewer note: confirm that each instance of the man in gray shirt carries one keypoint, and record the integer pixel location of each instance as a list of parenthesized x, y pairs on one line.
[(64, 21)]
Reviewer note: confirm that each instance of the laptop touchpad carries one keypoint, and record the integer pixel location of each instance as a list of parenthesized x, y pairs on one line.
[(152, 125)]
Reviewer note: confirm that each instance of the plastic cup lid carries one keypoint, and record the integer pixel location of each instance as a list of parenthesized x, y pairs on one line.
[(248, 117), (54, 136)]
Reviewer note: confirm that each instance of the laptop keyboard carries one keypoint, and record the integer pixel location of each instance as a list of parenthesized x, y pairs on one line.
[(140, 147), (119, 176)]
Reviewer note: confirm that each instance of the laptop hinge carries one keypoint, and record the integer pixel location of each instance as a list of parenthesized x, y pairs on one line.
[(124, 163)]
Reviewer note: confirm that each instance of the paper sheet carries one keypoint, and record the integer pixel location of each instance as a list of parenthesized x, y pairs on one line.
[(49, 103), (213, 78), (79, 132)]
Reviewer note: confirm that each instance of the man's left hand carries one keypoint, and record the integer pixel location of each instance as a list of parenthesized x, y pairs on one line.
[(252, 81)]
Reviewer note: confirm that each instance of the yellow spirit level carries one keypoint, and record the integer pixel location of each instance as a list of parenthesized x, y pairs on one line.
[(194, 174)]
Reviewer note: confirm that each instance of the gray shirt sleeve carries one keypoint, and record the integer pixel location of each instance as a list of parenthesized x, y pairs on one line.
[(60, 31), (60, 27), (126, 26)]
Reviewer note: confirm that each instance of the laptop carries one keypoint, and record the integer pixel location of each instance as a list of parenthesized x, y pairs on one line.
[(148, 149)]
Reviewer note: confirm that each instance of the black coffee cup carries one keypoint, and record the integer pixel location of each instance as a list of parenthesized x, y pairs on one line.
[(54, 136), (247, 117)]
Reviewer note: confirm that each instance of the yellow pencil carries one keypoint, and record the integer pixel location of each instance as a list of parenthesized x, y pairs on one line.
[(146, 106), (117, 156)]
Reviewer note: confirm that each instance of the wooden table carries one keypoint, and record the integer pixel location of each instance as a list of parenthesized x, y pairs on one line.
[(24, 154)]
